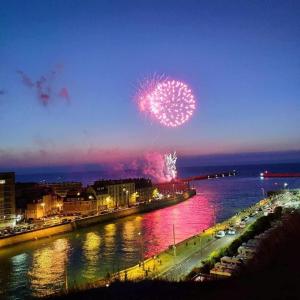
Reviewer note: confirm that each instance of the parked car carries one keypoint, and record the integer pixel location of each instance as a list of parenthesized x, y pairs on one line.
[(220, 234), (231, 231), (245, 219), (242, 225)]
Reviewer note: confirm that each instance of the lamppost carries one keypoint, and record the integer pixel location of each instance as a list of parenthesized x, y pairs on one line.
[(43, 205), (59, 206), (174, 244), (127, 196), (141, 250), (213, 206)]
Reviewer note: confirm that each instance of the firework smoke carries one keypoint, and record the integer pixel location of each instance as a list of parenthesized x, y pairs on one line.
[(26, 79), (151, 165), (43, 86), (64, 93)]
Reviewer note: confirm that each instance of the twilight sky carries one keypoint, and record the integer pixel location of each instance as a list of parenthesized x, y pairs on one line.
[(241, 59)]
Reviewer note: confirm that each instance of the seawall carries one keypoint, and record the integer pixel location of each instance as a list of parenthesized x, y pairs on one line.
[(89, 221), (35, 234)]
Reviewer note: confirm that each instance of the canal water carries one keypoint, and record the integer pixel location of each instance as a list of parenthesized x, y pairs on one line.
[(40, 268)]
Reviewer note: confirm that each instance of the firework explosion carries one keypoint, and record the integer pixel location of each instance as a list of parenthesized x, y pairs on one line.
[(170, 165), (171, 102)]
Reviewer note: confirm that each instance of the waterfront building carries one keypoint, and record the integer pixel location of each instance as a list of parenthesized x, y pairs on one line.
[(173, 187), (104, 200), (121, 192), (62, 188), (145, 191), (7, 199), (81, 203), (43, 203)]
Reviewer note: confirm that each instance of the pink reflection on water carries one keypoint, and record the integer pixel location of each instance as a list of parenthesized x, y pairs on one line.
[(189, 218)]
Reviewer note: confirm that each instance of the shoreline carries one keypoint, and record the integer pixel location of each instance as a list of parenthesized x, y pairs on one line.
[(157, 266), (90, 221)]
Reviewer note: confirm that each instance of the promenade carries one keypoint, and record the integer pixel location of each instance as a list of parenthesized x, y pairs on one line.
[(175, 264)]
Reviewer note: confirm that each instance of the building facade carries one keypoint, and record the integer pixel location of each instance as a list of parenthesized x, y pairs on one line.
[(115, 193), (81, 203), (44, 205), (7, 199), (62, 188)]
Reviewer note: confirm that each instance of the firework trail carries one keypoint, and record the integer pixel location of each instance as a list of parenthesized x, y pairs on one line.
[(170, 102)]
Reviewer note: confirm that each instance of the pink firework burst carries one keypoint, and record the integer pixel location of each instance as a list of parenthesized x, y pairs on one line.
[(171, 102), (145, 86)]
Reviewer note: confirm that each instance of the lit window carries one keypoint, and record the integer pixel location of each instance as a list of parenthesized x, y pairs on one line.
[(2, 181)]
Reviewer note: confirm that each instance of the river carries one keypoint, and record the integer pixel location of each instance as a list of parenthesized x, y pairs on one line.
[(39, 268)]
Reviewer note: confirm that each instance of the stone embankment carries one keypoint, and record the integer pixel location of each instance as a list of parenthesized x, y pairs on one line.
[(93, 220)]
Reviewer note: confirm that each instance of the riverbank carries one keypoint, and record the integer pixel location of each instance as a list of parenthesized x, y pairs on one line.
[(273, 275), (93, 220), (166, 264)]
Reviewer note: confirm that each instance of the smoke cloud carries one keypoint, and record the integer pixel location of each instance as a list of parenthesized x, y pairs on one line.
[(150, 165), (64, 93), (44, 85)]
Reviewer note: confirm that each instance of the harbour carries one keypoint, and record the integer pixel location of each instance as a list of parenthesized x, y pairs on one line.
[(38, 268)]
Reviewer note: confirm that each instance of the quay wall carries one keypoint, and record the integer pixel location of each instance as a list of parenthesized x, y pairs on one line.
[(133, 210), (35, 234), (85, 222)]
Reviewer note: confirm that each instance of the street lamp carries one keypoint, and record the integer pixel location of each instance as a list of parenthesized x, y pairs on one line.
[(127, 197), (141, 250), (43, 205)]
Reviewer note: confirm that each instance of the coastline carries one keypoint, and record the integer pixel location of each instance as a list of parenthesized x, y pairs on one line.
[(93, 220), (159, 265)]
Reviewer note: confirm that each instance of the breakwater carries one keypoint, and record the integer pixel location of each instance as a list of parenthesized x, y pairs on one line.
[(93, 220)]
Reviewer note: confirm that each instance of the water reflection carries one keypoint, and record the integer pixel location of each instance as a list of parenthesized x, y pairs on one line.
[(91, 249), (47, 271)]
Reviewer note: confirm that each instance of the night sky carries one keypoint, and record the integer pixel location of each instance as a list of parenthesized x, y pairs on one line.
[(241, 59)]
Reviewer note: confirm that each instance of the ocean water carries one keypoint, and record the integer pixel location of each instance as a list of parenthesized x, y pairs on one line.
[(41, 267)]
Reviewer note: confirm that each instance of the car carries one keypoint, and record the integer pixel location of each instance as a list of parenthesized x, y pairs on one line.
[(245, 219), (242, 225), (231, 231), (220, 234)]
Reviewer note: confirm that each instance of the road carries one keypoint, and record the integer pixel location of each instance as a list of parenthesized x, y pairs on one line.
[(182, 269), (189, 255)]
